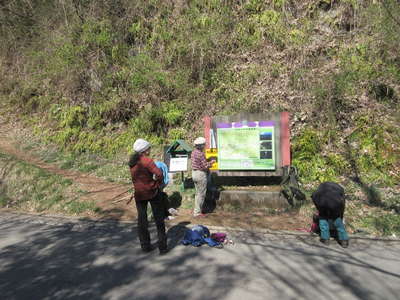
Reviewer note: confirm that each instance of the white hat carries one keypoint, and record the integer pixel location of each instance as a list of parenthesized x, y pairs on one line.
[(141, 145), (200, 141)]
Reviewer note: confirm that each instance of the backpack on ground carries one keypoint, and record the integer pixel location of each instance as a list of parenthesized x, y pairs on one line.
[(290, 186), (198, 236)]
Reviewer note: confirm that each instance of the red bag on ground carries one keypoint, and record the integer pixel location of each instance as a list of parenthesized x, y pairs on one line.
[(218, 236)]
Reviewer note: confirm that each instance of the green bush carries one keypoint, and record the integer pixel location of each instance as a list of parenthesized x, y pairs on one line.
[(97, 34), (374, 151), (308, 144), (386, 225), (73, 117), (312, 165)]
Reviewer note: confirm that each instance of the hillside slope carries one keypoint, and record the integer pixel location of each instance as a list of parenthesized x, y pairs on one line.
[(91, 76)]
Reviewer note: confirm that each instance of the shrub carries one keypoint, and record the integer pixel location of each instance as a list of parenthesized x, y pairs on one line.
[(386, 225), (374, 151)]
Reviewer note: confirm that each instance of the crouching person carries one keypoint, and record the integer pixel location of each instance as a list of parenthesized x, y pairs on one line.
[(330, 201)]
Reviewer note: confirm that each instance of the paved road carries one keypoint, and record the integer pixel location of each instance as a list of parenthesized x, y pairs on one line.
[(55, 258)]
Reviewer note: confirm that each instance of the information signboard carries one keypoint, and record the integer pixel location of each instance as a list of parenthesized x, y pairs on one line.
[(178, 164), (246, 145)]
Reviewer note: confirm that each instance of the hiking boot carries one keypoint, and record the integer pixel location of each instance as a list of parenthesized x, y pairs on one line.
[(164, 251), (325, 242), (147, 249), (344, 243)]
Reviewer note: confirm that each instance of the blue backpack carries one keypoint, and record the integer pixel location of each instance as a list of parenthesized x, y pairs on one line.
[(198, 236)]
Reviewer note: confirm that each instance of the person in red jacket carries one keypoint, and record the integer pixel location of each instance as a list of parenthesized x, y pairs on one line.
[(146, 179)]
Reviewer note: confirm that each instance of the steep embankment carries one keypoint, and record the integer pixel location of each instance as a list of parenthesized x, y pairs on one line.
[(92, 76)]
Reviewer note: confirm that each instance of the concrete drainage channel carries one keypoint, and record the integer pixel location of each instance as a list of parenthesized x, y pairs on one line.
[(246, 198)]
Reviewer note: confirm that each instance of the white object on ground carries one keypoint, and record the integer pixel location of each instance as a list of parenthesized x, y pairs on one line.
[(173, 211)]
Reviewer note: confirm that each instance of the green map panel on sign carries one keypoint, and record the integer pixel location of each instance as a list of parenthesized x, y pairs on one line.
[(246, 148)]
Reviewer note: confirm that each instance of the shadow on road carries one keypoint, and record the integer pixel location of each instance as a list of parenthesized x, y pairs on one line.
[(74, 260), (94, 260), (314, 271)]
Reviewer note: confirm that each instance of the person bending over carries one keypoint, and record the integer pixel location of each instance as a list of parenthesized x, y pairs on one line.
[(329, 199)]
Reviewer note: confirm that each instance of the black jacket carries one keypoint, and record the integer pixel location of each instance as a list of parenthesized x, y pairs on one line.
[(329, 200)]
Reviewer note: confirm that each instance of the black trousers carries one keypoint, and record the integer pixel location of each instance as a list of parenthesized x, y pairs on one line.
[(166, 205), (157, 206)]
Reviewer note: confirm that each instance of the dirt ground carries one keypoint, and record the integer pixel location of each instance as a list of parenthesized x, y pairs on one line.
[(112, 198), (284, 221)]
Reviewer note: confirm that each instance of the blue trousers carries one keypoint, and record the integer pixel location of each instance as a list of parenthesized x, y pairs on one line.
[(339, 226)]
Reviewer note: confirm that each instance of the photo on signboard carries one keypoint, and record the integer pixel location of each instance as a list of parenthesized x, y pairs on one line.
[(266, 136), (264, 146), (265, 154)]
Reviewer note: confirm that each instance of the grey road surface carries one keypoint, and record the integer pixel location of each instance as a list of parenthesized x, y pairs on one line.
[(56, 258)]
